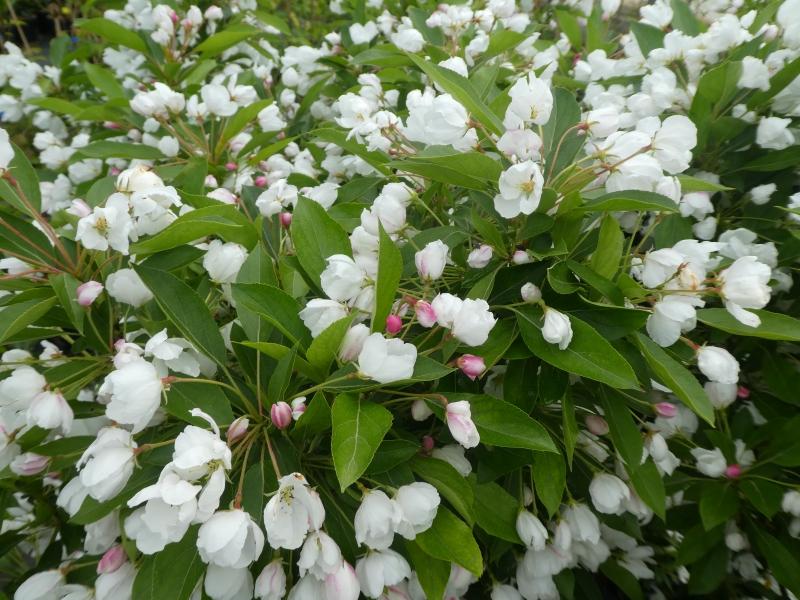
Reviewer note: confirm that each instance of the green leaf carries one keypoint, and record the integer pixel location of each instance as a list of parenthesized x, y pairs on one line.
[(325, 347), (606, 257), (186, 311), (68, 446), (765, 496), (496, 511), (391, 454), (280, 379), (633, 200), (111, 32), (648, 37), (677, 378), (782, 562), (455, 489), (624, 579), (224, 221), (472, 170), (774, 161), (316, 237), (550, 479), (461, 89), (684, 19), (774, 326), (16, 317), (358, 429), (695, 184), (625, 434), (433, 574), (718, 503), (22, 170), (707, 574), (242, 118), (451, 540), (502, 424), (276, 306), (104, 80), (172, 573), (316, 418), (390, 269), (569, 425), (588, 354), (339, 138), (561, 140), (649, 485), (222, 40), (65, 286), (183, 397), (105, 149)]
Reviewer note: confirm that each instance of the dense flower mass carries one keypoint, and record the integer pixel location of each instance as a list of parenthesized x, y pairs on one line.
[(483, 299)]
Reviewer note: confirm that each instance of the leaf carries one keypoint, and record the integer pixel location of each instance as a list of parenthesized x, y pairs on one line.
[(316, 418), (116, 34), (16, 317), (625, 434), (325, 347), (782, 562), (624, 579), (390, 269), (648, 37), (186, 311), (560, 138), (774, 161), (222, 40), (316, 237), (451, 540), (391, 454), (339, 138), (444, 477), (472, 170), (649, 485), (677, 378), (709, 573), (461, 89), (774, 326), (433, 574), (104, 80), (22, 170), (633, 200), (105, 149), (358, 429), (502, 424), (569, 425), (695, 184), (718, 503), (588, 354), (242, 118), (496, 511), (172, 573), (65, 286), (549, 478), (606, 257), (765, 496), (183, 397), (280, 378), (276, 306)]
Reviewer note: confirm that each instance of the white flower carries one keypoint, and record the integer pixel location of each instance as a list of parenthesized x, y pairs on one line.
[(446, 308), (583, 523), (223, 261), (710, 463), (656, 446), (717, 364), (342, 584), (217, 100), (107, 464), (502, 591), (473, 322), (225, 583), (791, 502), (673, 143), (49, 410), (107, 227), (270, 119), (45, 585), (379, 569), (436, 120), (480, 256), (761, 193), (721, 395), (197, 450), (672, 316), (773, 133), (557, 328), (271, 583), (755, 74), (319, 313), (386, 361), (458, 416), (17, 393), (278, 196), (431, 260), (138, 179), (520, 189), (292, 512), (342, 279), (363, 34), (376, 519), (531, 531), (6, 150), (418, 504), (127, 287), (744, 285), (320, 555), (453, 454), (520, 145), (531, 102), (608, 493), (135, 392), (230, 538), (353, 342)]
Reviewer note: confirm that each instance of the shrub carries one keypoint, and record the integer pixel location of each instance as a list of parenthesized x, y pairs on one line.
[(454, 301)]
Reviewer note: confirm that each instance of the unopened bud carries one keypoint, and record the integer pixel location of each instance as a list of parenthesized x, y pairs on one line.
[(281, 415), (286, 219), (733, 471), (237, 429), (260, 181), (393, 324), (531, 293), (596, 424), (666, 409), (472, 366), (112, 560), (86, 293)]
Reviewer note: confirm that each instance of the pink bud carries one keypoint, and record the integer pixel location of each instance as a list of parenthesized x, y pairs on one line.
[(472, 366), (260, 181), (111, 125), (393, 324), (79, 208), (281, 415), (459, 420), (743, 392), (733, 471), (210, 181), (425, 314), (666, 409), (173, 17), (427, 443), (286, 219), (237, 429), (520, 257), (231, 166), (88, 292), (28, 464), (114, 171), (596, 424), (112, 560)]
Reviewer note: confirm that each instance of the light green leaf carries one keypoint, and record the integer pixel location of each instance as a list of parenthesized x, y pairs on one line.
[(443, 476), (222, 40), (316, 237), (550, 478), (16, 317), (113, 33), (496, 511), (774, 326), (390, 269), (172, 573), (105, 149), (276, 306), (451, 540), (633, 200)]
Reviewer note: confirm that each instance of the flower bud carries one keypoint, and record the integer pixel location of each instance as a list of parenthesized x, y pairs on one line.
[(520, 257), (286, 219), (427, 443), (420, 410), (298, 407), (88, 292), (557, 328), (237, 429), (211, 181), (459, 420), (271, 583), (112, 560), (472, 366), (28, 464), (110, 125), (281, 415), (531, 293), (480, 257), (353, 342), (666, 409), (596, 424), (733, 471), (230, 166), (260, 181), (431, 260), (79, 208), (742, 392), (393, 324), (425, 314)]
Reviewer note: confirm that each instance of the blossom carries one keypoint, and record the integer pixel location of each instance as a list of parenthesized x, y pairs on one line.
[(230, 538), (710, 463), (127, 287), (320, 313), (458, 416), (86, 293), (49, 410), (755, 74), (480, 256), (744, 285), (342, 278), (431, 260), (472, 366), (222, 261), (353, 342), (417, 504), (292, 512), (717, 364), (557, 328), (531, 530), (280, 414), (673, 143), (107, 227), (531, 102), (271, 582), (473, 322), (376, 519), (773, 133), (520, 189), (608, 493), (135, 394), (386, 360), (436, 120), (379, 569), (107, 464)]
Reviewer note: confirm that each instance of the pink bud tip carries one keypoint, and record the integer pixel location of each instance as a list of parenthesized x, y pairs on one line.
[(112, 560), (173, 17), (472, 366), (114, 171), (260, 181), (666, 409), (393, 324), (425, 313), (286, 219), (733, 471), (237, 429), (743, 392), (111, 125), (79, 208), (88, 292), (596, 424), (231, 166), (281, 415), (427, 443)]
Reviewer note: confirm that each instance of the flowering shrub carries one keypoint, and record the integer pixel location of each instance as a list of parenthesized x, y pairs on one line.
[(459, 301)]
